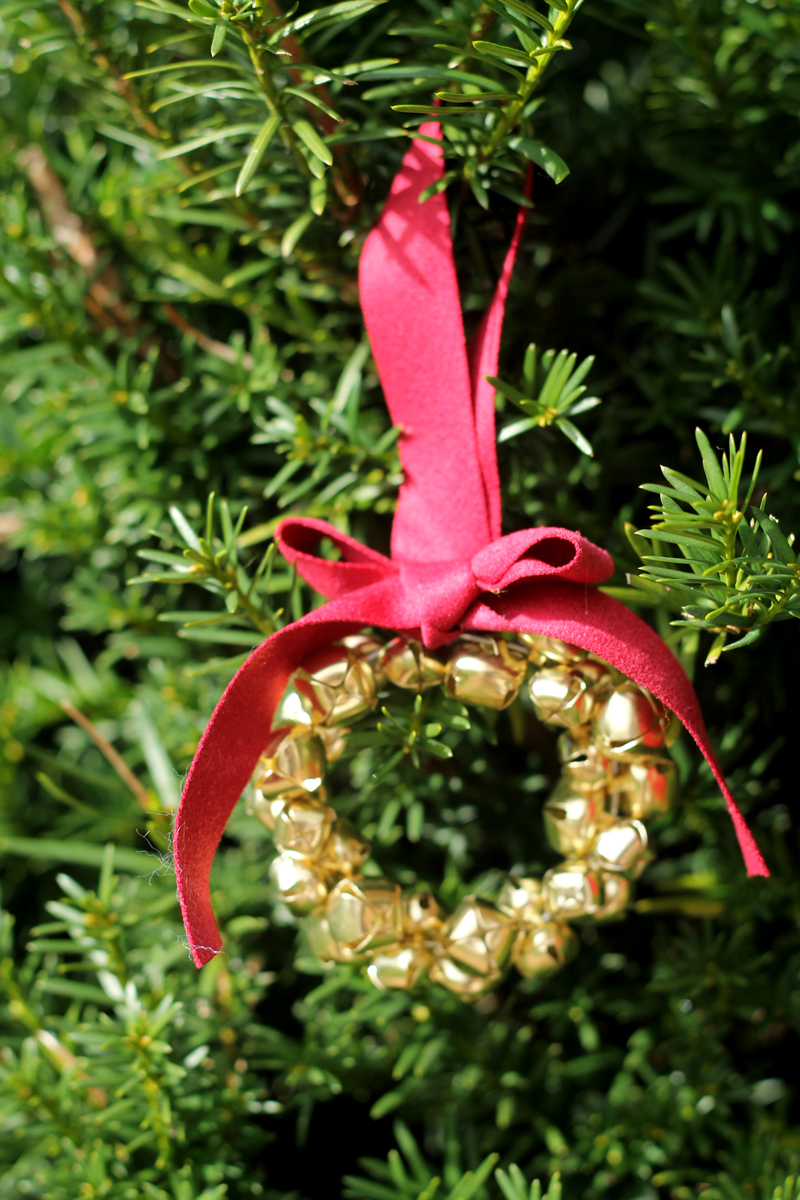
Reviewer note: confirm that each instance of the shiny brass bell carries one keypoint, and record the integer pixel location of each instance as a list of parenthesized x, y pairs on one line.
[(572, 818), (561, 696), (581, 763), (616, 896), (303, 826), (572, 889), (544, 948), (421, 915), (574, 743), (334, 739), (622, 847), (450, 974), (521, 899), (293, 763), (398, 967), (485, 672), (267, 810), (407, 664), (367, 914), (322, 942), (336, 685), (479, 937), (596, 674), (345, 852), (630, 724), (547, 651), (294, 877), (365, 645), (646, 789)]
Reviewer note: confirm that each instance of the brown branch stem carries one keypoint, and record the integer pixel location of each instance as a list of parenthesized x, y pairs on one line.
[(117, 762), (219, 349)]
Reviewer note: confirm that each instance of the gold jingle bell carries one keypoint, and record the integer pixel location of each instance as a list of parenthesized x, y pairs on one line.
[(630, 723), (547, 651), (581, 766), (621, 847), (445, 971), (575, 744), (292, 709), (572, 818), (573, 889), (398, 967), (521, 899), (646, 789), (407, 664), (322, 943), (298, 883), (597, 675), (479, 937), (367, 914), (319, 937), (303, 826), (266, 810), (421, 915), (484, 671), (544, 948), (293, 763), (335, 685), (366, 646), (334, 739), (616, 896), (345, 852), (561, 696)]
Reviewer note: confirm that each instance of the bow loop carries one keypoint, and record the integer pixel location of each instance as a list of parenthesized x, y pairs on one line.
[(298, 537), (409, 296), (433, 596), (542, 553)]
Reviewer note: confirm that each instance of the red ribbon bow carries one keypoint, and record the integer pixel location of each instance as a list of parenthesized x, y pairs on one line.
[(450, 570)]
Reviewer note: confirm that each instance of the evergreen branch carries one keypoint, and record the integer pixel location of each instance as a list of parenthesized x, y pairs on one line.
[(488, 132), (215, 566), (103, 60), (346, 179), (406, 1175), (553, 40), (549, 394), (730, 575)]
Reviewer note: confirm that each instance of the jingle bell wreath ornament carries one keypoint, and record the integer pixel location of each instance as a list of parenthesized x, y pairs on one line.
[(456, 606)]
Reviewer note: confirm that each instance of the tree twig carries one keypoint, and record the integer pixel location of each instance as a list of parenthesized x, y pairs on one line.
[(103, 301), (117, 762), (121, 84), (219, 349)]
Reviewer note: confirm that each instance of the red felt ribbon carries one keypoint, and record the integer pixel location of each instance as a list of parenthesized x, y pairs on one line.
[(450, 568)]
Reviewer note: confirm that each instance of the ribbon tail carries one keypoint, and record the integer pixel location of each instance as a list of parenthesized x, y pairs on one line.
[(483, 352), (412, 311), (227, 755), (605, 627)]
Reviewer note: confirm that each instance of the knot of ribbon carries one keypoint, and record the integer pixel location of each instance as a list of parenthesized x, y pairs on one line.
[(431, 599), (450, 567)]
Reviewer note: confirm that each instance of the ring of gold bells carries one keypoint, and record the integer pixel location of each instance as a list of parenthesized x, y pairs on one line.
[(614, 775)]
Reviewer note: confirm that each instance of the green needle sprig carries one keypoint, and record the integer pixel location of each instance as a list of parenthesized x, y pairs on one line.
[(551, 391), (726, 564)]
